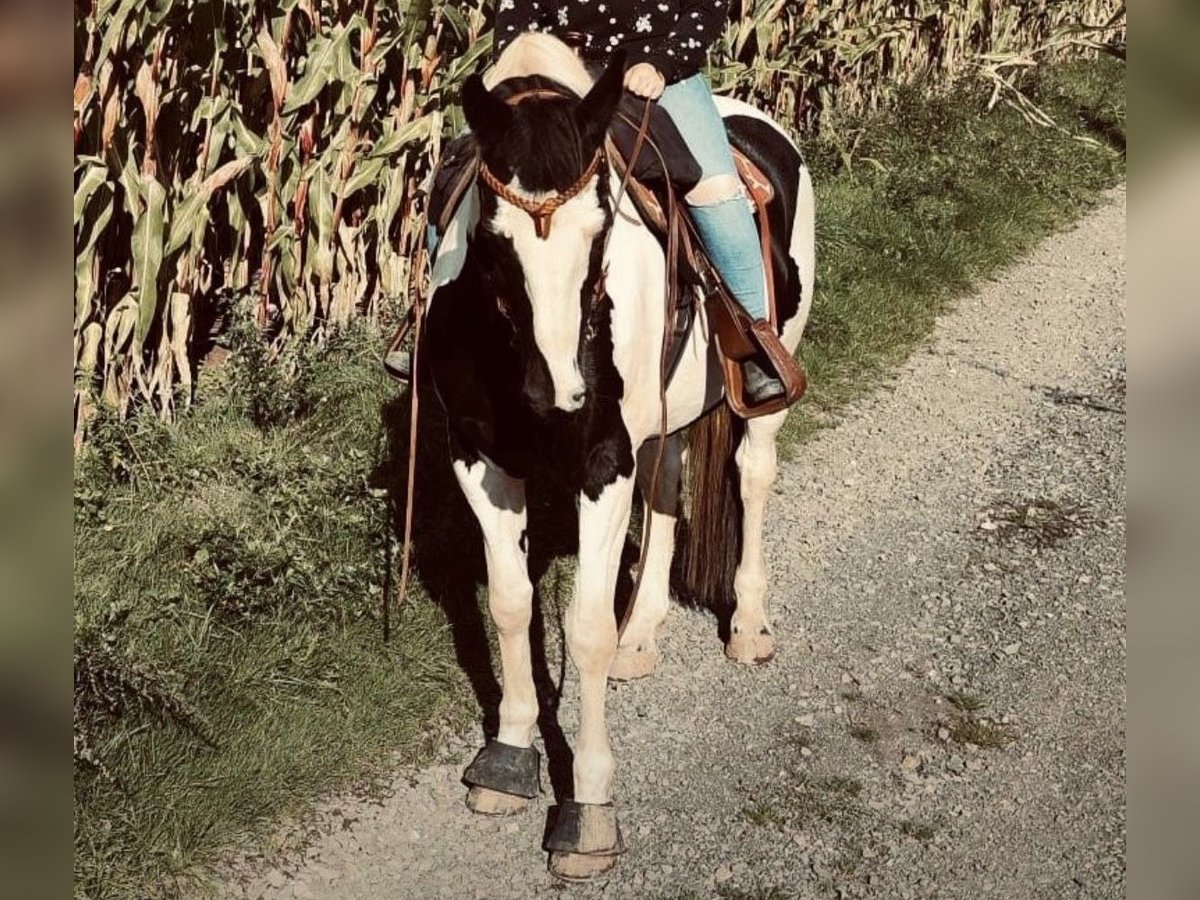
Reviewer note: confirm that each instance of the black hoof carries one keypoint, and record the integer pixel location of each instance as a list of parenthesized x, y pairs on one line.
[(586, 829), (507, 769)]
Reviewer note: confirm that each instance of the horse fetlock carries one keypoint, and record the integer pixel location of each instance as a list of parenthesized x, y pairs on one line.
[(593, 771), (750, 589), (518, 717)]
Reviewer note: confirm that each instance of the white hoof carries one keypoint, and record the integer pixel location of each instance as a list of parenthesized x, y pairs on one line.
[(486, 802), (751, 648), (634, 661), (579, 866)]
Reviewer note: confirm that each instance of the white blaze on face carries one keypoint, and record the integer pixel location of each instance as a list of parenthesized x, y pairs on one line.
[(555, 269)]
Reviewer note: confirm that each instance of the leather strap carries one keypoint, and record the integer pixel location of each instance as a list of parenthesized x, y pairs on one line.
[(541, 211), (413, 321)]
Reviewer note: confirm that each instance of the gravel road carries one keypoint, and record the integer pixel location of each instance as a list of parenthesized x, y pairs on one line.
[(946, 715)]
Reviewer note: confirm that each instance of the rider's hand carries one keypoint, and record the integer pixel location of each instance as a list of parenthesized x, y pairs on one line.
[(645, 81)]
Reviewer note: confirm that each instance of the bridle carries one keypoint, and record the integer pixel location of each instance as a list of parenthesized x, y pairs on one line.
[(541, 211)]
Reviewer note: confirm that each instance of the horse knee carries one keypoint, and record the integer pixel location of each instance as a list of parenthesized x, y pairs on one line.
[(510, 601), (592, 644), (716, 189)]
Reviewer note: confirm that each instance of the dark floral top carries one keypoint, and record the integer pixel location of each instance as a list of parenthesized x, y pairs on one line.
[(671, 35)]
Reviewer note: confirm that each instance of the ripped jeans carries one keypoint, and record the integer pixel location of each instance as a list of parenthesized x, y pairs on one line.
[(718, 203)]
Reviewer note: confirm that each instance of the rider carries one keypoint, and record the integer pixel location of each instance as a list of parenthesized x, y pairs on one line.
[(666, 44)]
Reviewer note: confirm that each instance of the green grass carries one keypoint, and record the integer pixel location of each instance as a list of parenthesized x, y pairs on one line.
[(228, 577), (938, 197), (229, 569)]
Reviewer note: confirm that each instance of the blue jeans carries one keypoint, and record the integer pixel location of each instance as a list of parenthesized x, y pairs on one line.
[(726, 225)]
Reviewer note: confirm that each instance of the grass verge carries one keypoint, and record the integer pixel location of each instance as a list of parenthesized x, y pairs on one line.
[(228, 570)]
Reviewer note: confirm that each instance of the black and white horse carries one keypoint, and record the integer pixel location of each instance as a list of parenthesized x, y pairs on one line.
[(528, 358)]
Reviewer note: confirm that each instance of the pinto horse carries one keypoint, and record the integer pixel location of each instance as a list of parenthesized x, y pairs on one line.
[(543, 342)]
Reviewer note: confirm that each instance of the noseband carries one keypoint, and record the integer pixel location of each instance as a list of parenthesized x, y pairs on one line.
[(541, 211)]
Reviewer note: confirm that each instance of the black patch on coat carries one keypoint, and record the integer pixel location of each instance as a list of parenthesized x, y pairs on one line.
[(663, 495)]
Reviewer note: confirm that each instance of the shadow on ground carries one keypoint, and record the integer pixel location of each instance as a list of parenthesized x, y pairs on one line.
[(448, 558)]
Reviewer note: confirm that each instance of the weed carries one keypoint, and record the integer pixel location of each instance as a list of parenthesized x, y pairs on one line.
[(1039, 522), (840, 784), (763, 813), (757, 893), (965, 701)]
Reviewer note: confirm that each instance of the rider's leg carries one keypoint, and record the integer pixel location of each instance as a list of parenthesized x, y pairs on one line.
[(721, 211), (718, 202)]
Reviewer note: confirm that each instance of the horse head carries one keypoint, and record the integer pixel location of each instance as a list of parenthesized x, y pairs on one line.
[(544, 212)]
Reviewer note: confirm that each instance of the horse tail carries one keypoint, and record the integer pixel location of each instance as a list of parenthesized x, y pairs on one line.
[(712, 546)]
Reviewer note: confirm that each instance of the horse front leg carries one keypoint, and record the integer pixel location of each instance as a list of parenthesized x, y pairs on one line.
[(504, 775), (751, 641), (585, 840)]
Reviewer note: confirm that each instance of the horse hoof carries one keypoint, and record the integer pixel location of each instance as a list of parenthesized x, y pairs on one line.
[(486, 802), (579, 866), (585, 841), (749, 649), (634, 662)]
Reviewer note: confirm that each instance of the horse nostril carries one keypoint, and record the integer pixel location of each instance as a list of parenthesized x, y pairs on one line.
[(578, 397)]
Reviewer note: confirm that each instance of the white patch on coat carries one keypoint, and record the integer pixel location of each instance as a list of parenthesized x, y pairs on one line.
[(803, 251), (534, 53), (555, 268), (498, 502)]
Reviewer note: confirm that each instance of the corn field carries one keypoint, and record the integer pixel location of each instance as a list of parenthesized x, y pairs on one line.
[(277, 149)]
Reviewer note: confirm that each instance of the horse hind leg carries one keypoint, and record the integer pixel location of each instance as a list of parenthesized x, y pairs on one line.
[(637, 652), (504, 775), (751, 641)]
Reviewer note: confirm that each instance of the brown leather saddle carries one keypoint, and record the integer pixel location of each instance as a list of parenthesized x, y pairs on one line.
[(738, 336)]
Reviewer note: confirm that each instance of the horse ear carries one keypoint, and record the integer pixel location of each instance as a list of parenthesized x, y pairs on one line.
[(487, 115), (595, 111)]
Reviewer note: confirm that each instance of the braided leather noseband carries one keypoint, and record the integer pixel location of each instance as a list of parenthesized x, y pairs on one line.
[(541, 211)]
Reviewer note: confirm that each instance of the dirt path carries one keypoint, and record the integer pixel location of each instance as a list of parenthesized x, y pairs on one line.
[(961, 534)]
